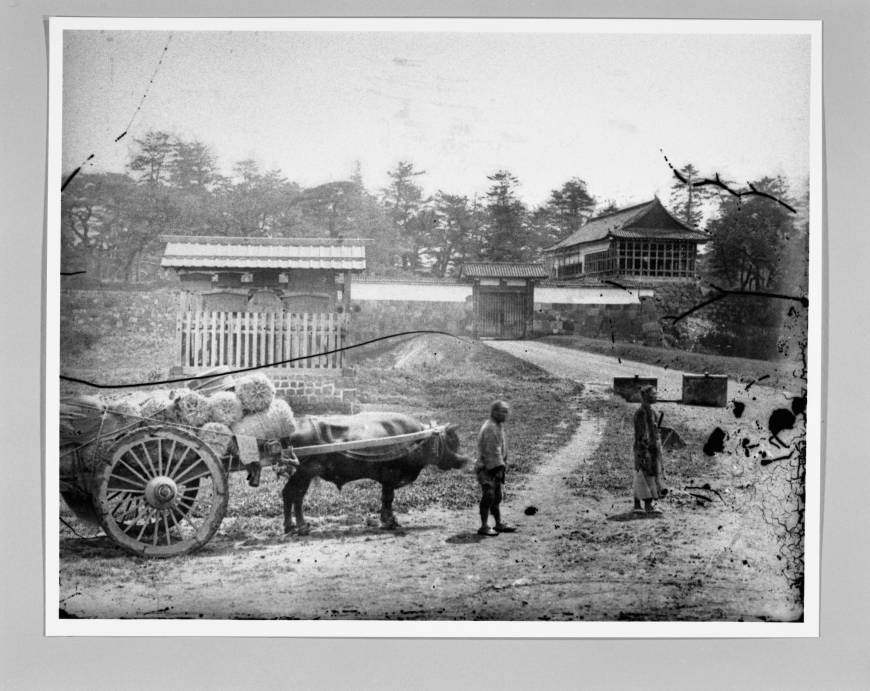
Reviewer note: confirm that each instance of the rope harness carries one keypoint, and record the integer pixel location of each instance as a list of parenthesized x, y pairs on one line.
[(381, 452)]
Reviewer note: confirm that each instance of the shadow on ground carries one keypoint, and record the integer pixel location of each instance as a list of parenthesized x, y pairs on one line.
[(465, 538), (632, 516)]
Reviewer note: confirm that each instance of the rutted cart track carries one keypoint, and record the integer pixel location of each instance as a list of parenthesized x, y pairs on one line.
[(578, 556)]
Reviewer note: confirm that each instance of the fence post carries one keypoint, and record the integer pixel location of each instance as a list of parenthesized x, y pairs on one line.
[(295, 345), (188, 333), (304, 338), (179, 353), (197, 338), (212, 356), (288, 338), (245, 335), (222, 318), (270, 345), (330, 359)]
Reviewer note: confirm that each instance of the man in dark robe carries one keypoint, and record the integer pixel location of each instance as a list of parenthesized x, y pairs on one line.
[(648, 470)]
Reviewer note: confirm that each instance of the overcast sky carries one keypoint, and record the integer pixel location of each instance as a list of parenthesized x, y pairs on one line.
[(547, 107)]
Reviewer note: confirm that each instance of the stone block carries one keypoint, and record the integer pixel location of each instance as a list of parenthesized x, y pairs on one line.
[(629, 387), (706, 390)]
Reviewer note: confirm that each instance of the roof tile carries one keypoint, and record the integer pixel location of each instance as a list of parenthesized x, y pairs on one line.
[(502, 270), (263, 253), (649, 219)]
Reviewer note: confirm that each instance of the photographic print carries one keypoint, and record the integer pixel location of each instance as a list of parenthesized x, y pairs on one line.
[(433, 327)]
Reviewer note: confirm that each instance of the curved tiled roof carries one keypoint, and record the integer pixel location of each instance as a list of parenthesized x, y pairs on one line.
[(502, 270), (647, 220), (263, 253)]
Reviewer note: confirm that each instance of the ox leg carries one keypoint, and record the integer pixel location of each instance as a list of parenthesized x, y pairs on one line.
[(302, 527), (388, 519), (287, 495), (293, 495)]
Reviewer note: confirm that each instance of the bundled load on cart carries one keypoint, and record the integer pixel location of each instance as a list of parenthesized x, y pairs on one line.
[(151, 467)]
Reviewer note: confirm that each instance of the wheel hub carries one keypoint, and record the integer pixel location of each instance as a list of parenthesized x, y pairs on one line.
[(161, 491)]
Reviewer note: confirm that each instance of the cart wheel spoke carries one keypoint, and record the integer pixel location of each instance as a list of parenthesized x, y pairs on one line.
[(180, 460), (171, 516), (197, 477), (186, 518), (141, 467), (139, 476), (166, 526), (185, 476), (122, 505), (146, 522), (170, 455), (161, 492), (149, 460)]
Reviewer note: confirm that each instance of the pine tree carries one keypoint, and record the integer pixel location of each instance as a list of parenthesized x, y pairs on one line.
[(686, 201), (403, 200), (570, 206), (506, 232)]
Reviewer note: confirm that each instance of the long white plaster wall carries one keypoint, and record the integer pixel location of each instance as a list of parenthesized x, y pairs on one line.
[(588, 295), (410, 292), (461, 292)]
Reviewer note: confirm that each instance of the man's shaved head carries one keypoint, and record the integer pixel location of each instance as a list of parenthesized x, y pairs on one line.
[(499, 411)]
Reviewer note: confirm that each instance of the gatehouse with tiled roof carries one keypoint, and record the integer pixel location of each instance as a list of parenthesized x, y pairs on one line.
[(503, 297), (252, 302), (644, 242)]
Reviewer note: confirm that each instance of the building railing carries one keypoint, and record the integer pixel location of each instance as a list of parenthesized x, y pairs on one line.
[(207, 339)]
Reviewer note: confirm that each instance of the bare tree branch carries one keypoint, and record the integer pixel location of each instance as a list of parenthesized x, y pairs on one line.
[(716, 181), (742, 293)]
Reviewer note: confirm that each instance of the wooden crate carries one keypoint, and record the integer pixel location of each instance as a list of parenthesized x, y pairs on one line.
[(629, 387), (705, 389)]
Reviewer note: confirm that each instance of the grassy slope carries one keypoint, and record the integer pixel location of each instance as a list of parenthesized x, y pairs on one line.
[(740, 369), (457, 390), (611, 465)]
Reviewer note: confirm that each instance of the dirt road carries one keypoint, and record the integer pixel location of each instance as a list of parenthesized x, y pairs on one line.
[(577, 554)]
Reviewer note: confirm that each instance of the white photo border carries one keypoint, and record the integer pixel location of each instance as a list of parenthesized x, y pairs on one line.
[(809, 627)]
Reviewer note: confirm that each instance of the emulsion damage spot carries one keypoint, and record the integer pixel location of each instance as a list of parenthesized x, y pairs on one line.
[(799, 405), (780, 419), (716, 442)]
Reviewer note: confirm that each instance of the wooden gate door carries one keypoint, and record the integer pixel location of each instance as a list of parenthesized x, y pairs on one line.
[(501, 314)]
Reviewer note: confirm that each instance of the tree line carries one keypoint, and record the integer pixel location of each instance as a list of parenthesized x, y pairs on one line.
[(111, 222)]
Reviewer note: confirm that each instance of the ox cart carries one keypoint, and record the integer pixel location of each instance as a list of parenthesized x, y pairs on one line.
[(156, 487)]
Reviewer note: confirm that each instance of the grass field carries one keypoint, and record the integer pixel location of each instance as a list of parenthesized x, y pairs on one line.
[(441, 380), (611, 466), (434, 378), (777, 374)]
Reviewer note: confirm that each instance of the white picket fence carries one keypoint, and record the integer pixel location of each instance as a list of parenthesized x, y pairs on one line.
[(248, 339)]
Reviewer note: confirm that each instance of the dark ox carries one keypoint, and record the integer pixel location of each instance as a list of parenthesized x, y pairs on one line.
[(392, 466)]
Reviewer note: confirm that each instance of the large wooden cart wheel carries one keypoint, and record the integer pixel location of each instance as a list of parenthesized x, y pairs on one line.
[(161, 492)]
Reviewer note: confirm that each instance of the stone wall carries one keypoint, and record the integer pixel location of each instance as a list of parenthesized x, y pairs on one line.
[(118, 333), (129, 335), (116, 336), (633, 322), (103, 311), (301, 388), (372, 319), (673, 299)]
